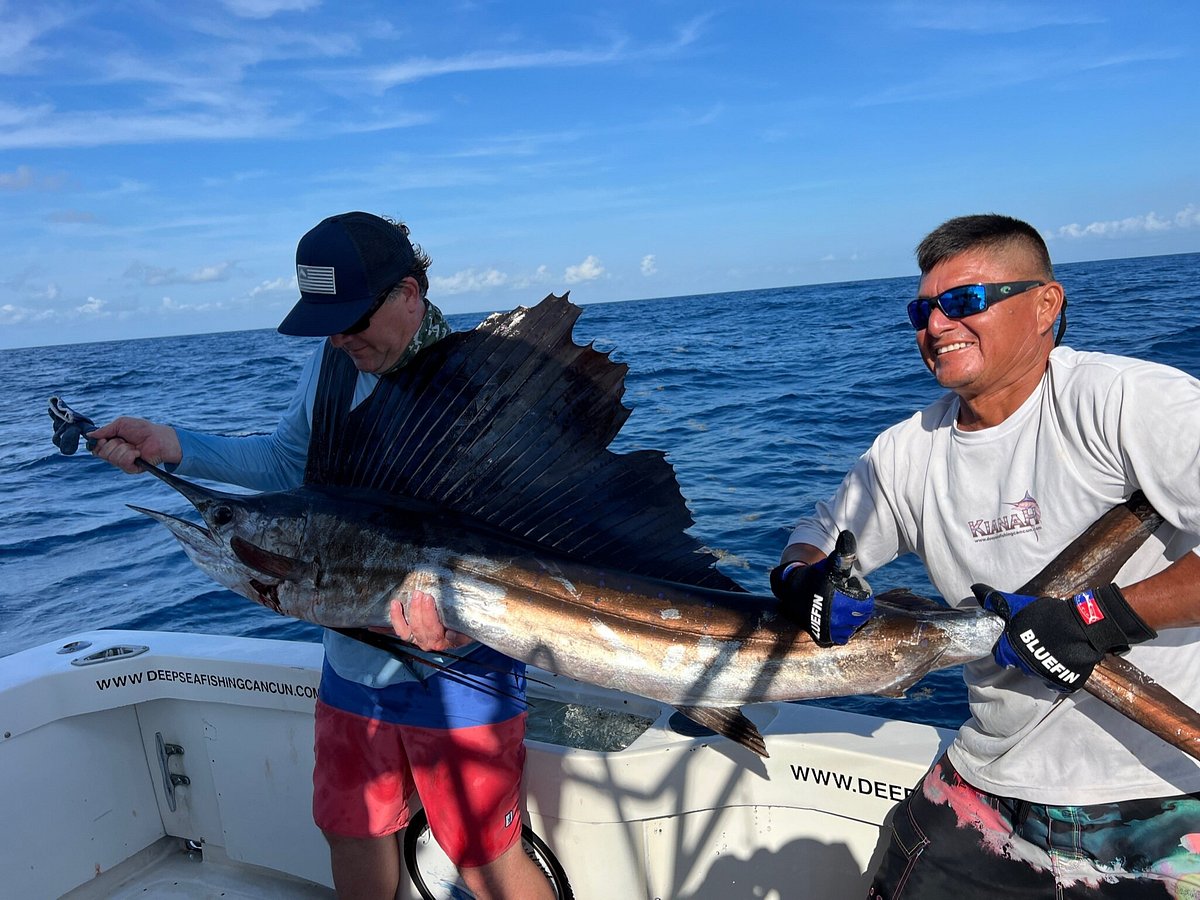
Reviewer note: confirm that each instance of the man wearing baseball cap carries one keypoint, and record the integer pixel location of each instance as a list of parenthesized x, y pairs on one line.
[(363, 284), (381, 732)]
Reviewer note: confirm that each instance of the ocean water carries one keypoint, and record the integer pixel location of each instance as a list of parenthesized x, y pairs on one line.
[(762, 399)]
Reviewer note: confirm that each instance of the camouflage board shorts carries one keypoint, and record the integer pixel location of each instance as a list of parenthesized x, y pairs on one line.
[(950, 841)]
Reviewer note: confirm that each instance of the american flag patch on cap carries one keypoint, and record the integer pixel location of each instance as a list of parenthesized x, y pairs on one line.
[(316, 279)]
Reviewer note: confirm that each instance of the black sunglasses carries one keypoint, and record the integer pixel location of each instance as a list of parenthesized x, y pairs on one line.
[(365, 321), (965, 300)]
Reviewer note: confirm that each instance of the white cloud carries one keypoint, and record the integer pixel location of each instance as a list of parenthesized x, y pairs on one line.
[(988, 76), (468, 280), (649, 266), (46, 127), (236, 178), (24, 178), (18, 180), (19, 50), (275, 286), (1151, 222), (421, 68), (989, 17), (1188, 217), (219, 272), (171, 305), (588, 270), (11, 314), (690, 31), (540, 275), (92, 308), (618, 50), (216, 85), (152, 275)]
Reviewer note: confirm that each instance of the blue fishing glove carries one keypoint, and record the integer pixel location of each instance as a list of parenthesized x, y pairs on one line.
[(1061, 639), (68, 427), (826, 597)]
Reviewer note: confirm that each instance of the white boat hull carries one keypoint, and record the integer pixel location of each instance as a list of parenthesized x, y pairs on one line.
[(91, 809)]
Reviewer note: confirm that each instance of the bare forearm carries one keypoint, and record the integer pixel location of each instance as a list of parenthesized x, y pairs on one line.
[(1170, 599), (805, 553)]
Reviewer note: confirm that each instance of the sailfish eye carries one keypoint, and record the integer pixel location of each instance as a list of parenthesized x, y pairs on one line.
[(222, 515)]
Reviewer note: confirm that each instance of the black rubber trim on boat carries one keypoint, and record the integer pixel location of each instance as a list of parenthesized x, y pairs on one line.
[(535, 848)]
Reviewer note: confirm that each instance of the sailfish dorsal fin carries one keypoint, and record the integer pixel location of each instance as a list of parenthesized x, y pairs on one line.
[(509, 424)]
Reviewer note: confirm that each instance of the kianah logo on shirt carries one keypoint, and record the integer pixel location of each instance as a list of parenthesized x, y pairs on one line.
[(1025, 517)]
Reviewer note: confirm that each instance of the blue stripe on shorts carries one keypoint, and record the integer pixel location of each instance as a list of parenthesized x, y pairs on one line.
[(494, 692)]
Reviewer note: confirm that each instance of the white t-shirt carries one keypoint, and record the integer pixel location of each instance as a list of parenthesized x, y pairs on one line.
[(995, 506)]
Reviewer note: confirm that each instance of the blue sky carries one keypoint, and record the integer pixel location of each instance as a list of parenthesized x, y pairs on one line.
[(159, 161)]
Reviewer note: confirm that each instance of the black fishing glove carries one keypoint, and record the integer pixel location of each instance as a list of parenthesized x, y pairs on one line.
[(68, 426), (1060, 639), (825, 597)]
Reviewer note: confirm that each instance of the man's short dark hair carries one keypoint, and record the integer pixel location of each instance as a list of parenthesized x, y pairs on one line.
[(986, 231), (421, 259)]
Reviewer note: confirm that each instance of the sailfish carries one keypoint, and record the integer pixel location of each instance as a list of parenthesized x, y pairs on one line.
[(481, 474)]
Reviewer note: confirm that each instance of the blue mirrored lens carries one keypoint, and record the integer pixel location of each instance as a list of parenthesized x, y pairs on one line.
[(918, 313), (956, 303), (963, 301)]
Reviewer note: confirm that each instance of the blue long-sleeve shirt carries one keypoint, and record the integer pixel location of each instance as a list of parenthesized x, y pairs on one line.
[(275, 462)]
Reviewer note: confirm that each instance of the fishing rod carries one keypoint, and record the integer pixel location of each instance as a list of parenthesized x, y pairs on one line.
[(1116, 681)]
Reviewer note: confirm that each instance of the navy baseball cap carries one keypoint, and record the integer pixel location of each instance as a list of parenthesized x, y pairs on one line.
[(343, 266)]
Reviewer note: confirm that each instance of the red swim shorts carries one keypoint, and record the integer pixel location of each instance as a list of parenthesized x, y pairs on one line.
[(468, 775)]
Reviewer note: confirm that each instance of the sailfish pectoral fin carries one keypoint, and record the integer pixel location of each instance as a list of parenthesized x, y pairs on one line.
[(285, 568), (729, 722)]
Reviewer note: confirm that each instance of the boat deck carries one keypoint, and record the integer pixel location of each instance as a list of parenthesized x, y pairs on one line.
[(170, 869)]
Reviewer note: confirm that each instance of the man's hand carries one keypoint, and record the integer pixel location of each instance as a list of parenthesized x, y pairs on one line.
[(825, 597), (423, 626), (126, 440), (1060, 639)]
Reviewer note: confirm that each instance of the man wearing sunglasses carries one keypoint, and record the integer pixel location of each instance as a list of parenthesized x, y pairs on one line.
[(382, 730), (1045, 791)]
